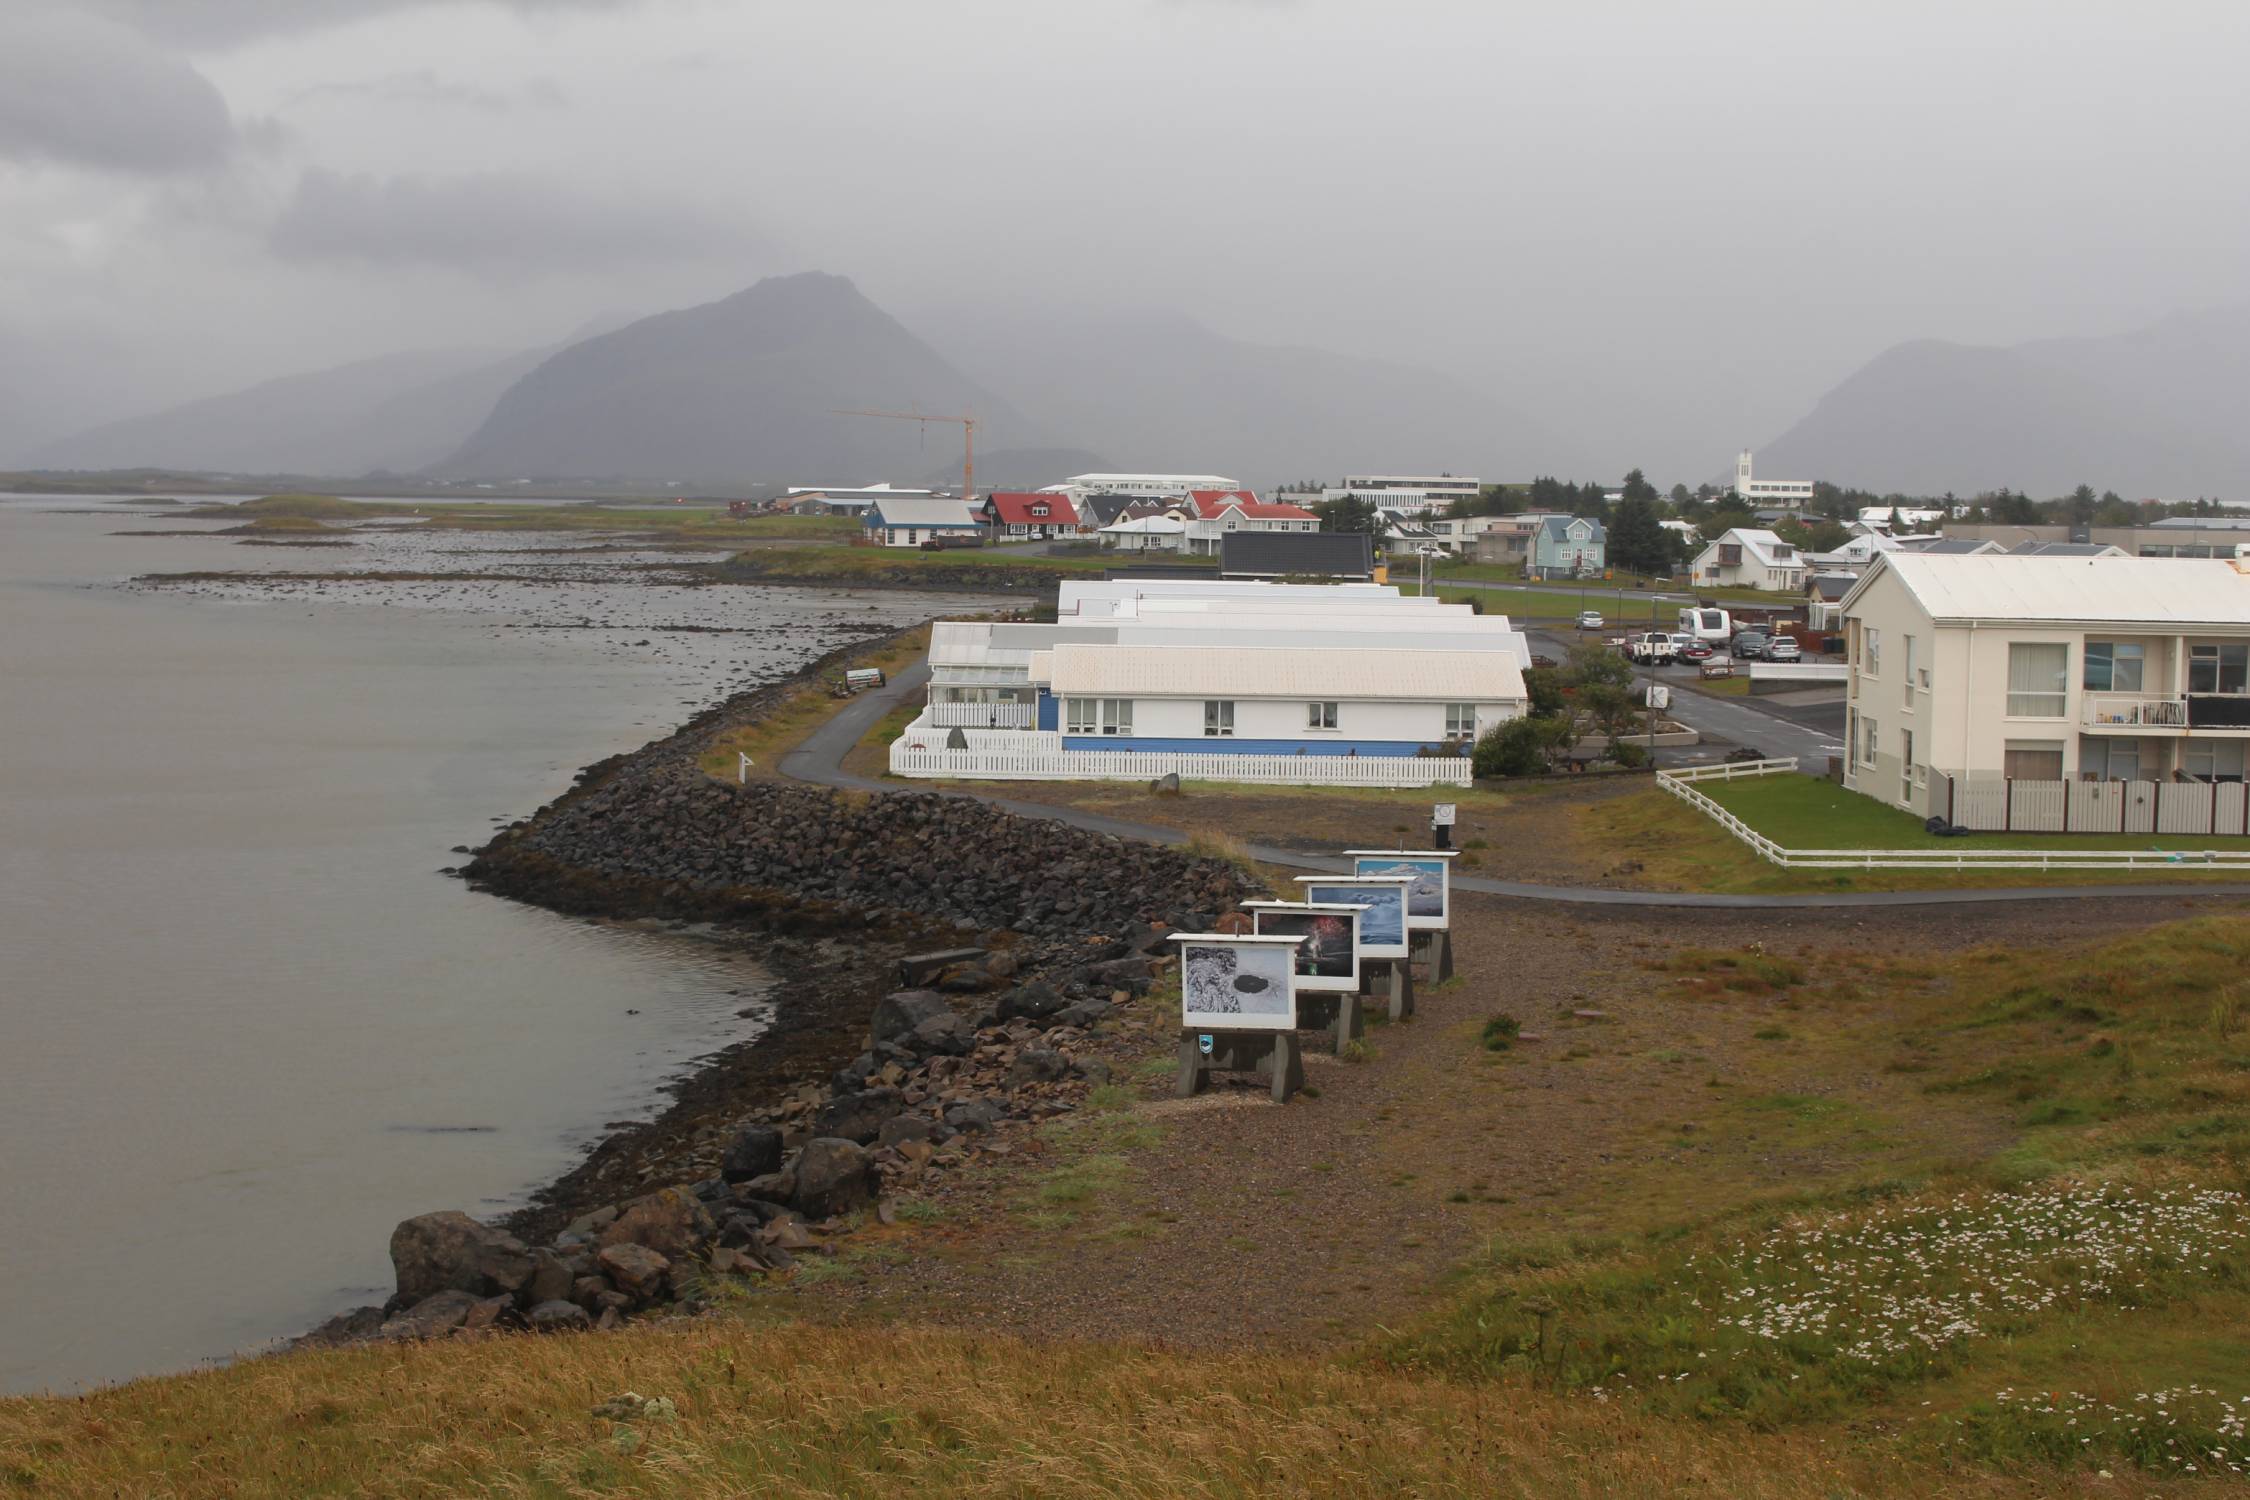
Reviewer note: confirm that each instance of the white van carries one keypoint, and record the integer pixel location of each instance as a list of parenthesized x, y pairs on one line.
[(1713, 627)]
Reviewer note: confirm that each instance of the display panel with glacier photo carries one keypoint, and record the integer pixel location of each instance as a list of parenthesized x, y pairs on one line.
[(1237, 983), (1429, 898), (1382, 926)]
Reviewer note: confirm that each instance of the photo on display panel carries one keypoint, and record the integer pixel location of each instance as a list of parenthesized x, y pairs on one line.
[(1383, 924), (1326, 952), (1426, 896), (1223, 980)]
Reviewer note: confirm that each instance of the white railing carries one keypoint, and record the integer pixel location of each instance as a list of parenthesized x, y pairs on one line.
[(981, 715), (1045, 764), (1799, 671), (1949, 857), (2109, 711)]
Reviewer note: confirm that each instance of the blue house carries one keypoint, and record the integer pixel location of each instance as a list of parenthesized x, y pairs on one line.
[(911, 520), (1567, 547)]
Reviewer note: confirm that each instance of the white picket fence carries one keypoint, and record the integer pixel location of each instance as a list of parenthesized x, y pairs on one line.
[(980, 763), (1950, 856), (981, 715)]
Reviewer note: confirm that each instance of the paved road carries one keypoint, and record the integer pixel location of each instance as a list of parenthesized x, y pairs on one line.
[(820, 760)]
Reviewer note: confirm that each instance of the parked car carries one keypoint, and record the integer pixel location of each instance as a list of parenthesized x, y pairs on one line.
[(1651, 649), (1783, 648), (1590, 619), (1680, 641), (1750, 645), (1695, 651)]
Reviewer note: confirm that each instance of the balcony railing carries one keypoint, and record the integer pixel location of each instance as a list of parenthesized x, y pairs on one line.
[(2122, 711)]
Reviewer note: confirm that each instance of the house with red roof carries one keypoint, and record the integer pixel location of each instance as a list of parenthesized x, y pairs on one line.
[(1220, 513), (1021, 516)]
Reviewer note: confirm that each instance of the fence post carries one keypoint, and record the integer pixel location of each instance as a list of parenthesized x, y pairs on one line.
[(2008, 804)]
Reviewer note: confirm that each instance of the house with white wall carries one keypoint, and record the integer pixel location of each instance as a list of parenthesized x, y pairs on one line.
[(1214, 515), (1280, 700), (1024, 516), (1781, 494), (1255, 681), (909, 521), (2045, 670), (1750, 558)]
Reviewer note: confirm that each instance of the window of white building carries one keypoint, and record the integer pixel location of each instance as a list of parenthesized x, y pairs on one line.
[(1218, 717), (2032, 760), (2101, 758), (1460, 721), (1320, 716), (2215, 668), (2114, 667), (2038, 679), (2214, 760)]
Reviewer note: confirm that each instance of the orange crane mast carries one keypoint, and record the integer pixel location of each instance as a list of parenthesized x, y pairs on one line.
[(968, 441)]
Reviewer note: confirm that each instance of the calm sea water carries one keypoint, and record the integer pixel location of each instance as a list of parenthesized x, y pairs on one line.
[(244, 1026)]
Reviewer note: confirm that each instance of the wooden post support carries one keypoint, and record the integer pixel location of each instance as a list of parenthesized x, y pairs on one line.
[(1192, 1077), (1351, 1025), (1402, 989), (1286, 1064)]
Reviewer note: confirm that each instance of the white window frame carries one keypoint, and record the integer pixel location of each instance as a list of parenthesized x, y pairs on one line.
[(1460, 721), (1218, 718), (1871, 652), (1081, 715), (2115, 653), (1906, 677), (2039, 702), (1117, 717), (1323, 715)]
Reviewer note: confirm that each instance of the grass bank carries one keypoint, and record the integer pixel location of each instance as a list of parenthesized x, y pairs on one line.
[(1675, 847)]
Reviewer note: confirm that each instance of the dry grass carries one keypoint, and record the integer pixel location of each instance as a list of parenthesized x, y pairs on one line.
[(803, 1412), (787, 723)]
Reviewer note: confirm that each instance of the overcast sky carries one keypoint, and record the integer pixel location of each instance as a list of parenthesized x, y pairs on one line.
[(1669, 227)]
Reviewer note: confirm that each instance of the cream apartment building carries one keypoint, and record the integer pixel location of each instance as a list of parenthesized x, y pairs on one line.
[(2045, 669)]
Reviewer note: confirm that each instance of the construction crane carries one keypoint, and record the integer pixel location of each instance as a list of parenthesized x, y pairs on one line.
[(968, 441)]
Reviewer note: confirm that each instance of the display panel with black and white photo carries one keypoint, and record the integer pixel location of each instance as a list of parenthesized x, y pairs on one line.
[(1328, 960), (1237, 983), (1429, 902), (1382, 926)]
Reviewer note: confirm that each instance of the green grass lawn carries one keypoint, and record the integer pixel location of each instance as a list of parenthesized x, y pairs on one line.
[(1799, 812)]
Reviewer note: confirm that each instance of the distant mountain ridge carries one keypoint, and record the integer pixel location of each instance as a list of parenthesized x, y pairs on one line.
[(2155, 413), (759, 385)]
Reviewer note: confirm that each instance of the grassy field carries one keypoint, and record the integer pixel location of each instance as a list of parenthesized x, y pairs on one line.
[(1631, 583), (1968, 1222), (1676, 847)]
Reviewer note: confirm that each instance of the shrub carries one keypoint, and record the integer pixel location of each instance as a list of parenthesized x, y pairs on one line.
[(1520, 747), (1500, 1033), (1630, 754)]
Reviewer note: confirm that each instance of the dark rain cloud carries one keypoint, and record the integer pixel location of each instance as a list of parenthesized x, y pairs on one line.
[(495, 222), (83, 90)]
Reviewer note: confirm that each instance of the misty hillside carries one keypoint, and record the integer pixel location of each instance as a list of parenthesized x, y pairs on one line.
[(1165, 393), (2153, 413), (399, 411), (747, 388)]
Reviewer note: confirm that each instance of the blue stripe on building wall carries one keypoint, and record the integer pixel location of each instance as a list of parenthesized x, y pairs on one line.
[(1218, 745)]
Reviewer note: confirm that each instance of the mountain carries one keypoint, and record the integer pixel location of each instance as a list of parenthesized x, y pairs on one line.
[(752, 387), (1163, 392), (2151, 413)]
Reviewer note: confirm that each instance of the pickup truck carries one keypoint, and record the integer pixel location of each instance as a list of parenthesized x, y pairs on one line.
[(1653, 648)]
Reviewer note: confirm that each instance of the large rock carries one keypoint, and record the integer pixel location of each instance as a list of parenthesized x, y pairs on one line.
[(898, 1013), (754, 1151), (948, 1035), (834, 1176), (449, 1250), (974, 1115), (1035, 1001), (637, 1270), (557, 1317), (671, 1222), (550, 1279), (1038, 1065), (856, 1117), (439, 1313)]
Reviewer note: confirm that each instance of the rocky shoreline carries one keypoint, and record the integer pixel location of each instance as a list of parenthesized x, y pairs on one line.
[(887, 1062)]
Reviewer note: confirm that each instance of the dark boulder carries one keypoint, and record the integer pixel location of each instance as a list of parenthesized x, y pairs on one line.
[(834, 1176), (1084, 1014), (439, 1313), (558, 1317), (1034, 1001), (550, 1278), (857, 1118), (637, 1270), (1038, 1065), (898, 1013), (948, 1035), (754, 1151), (903, 1128), (449, 1250), (974, 1115)]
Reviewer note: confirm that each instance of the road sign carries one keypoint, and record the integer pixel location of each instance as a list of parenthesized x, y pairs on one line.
[(1441, 816)]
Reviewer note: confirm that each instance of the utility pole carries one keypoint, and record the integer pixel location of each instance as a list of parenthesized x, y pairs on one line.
[(968, 441)]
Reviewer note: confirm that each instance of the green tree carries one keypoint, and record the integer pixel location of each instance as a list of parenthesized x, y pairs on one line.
[(1638, 541), (1350, 514), (1545, 692), (1681, 496), (2080, 505), (1637, 487)]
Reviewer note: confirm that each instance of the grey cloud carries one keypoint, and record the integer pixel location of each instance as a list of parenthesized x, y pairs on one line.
[(82, 90), (223, 23), (495, 222), (423, 87)]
